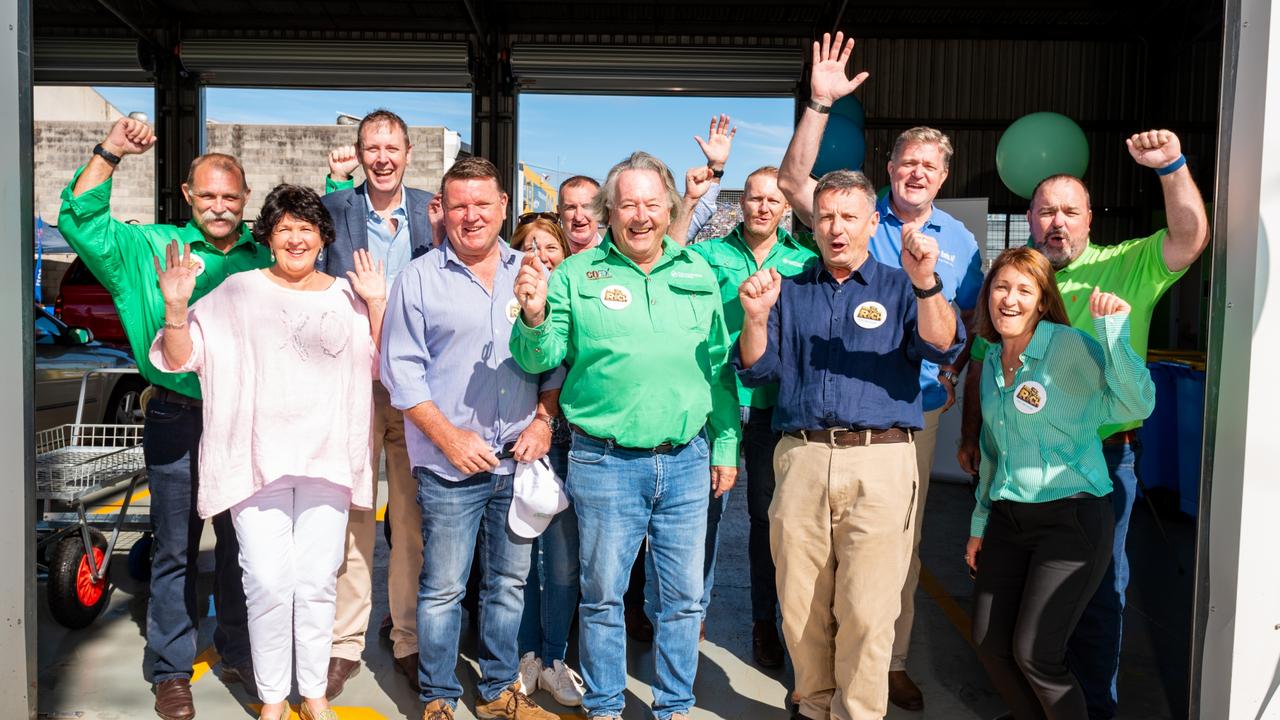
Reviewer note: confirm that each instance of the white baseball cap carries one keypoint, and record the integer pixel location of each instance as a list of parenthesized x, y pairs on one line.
[(537, 495)]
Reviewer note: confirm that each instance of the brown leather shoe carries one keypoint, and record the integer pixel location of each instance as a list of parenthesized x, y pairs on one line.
[(766, 647), (512, 704), (173, 699), (437, 710), (340, 671), (638, 626), (230, 675), (903, 692), (702, 635), (408, 667)]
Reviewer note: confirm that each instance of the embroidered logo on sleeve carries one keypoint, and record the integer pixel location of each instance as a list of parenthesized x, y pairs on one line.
[(870, 314), (615, 297), (1030, 397)]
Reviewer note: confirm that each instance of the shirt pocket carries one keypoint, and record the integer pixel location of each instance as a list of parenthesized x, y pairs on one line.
[(594, 318), (694, 303), (730, 273)]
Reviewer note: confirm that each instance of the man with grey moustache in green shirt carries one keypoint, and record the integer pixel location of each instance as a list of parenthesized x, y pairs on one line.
[(652, 403)]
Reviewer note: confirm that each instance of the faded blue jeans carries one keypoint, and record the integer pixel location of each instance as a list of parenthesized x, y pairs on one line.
[(551, 594), (455, 516), (1093, 653), (623, 497)]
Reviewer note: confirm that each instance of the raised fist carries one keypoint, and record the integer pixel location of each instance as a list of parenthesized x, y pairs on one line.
[(759, 292), (129, 137), (531, 289), (1154, 148), (343, 161)]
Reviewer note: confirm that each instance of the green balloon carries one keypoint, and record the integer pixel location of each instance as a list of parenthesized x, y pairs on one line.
[(1039, 145), (884, 190)]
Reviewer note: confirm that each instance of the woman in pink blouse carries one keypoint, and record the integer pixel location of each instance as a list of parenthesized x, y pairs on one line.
[(285, 357)]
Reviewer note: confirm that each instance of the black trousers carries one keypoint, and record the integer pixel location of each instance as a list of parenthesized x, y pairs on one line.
[(1040, 563)]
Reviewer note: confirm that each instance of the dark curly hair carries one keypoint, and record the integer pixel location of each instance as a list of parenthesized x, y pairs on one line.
[(298, 201)]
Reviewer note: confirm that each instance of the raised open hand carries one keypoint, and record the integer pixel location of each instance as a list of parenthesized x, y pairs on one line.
[(177, 279), (368, 280), (829, 79), (718, 143)]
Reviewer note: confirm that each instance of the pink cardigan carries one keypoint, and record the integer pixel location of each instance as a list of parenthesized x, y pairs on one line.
[(287, 380)]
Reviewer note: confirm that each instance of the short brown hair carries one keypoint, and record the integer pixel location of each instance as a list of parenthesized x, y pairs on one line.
[(578, 180), (553, 229), (222, 161), (471, 168), (378, 117), (1063, 177), (1034, 265), (845, 181), (923, 136)]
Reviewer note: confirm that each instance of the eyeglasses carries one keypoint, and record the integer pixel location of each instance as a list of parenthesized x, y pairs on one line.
[(526, 218)]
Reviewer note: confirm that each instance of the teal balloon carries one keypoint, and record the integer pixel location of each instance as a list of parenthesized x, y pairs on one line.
[(851, 107), (882, 192), (843, 147), (1039, 145)]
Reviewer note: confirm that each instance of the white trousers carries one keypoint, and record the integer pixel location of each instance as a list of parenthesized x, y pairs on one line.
[(291, 535)]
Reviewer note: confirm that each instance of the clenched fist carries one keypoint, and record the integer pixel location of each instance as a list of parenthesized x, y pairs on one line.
[(1154, 148), (343, 161), (1102, 304), (531, 289), (919, 256), (129, 137), (759, 292)]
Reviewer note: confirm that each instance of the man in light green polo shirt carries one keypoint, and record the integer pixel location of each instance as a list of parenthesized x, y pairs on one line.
[(756, 243), (123, 257), (1139, 271), (640, 323)]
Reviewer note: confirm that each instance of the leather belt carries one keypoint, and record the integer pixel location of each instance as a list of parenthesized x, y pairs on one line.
[(1124, 437), (661, 449), (844, 437), (165, 395)]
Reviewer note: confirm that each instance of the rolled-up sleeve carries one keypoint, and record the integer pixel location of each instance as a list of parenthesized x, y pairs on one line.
[(405, 354)]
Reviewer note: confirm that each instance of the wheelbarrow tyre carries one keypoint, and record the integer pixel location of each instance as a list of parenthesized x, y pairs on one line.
[(140, 558), (74, 599)]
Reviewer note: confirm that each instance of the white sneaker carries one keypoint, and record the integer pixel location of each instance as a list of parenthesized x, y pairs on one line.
[(563, 683), (530, 669)]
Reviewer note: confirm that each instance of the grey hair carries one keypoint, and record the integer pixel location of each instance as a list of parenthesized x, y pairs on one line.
[(607, 198), (923, 136), (846, 181)]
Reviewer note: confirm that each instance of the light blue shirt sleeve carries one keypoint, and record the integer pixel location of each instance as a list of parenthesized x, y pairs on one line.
[(702, 213), (405, 355), (971, 282)]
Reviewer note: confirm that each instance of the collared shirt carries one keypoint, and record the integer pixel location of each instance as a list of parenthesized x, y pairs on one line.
[(647, 353), (122, 255), (733, 262), (848, 354), (445, 339), (392, 248), (959, 265), (1135, 270), (1037, 434)]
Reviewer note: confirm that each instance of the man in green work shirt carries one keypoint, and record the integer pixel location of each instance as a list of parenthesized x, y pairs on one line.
[(122, 257), (1139, 271), (757, 243), (640, 322)]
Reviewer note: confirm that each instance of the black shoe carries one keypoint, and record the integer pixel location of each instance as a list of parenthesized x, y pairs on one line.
[(903, 692), (638, 626), (766, 647), (384, 630), (243, 674)]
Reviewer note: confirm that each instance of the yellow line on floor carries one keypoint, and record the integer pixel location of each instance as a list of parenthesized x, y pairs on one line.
[(382, 513), (344, 711), (204, 662), (115, 505), (959, 619)]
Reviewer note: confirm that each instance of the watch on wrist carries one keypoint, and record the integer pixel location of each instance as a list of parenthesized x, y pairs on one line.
[(105, 154), (930, 292), (950, 376), (549, 420), (716, 173), (817, 107)]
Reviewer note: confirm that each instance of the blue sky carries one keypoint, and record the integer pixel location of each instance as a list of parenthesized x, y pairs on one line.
[(572, 133)]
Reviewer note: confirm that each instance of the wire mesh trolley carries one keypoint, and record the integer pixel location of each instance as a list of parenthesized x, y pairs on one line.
[(75, 463)]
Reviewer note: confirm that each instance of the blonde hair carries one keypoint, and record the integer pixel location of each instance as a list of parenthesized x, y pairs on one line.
[(923, 136)]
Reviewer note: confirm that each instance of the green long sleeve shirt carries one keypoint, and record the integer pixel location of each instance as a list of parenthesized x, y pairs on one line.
[(122, 255), (648, 355)]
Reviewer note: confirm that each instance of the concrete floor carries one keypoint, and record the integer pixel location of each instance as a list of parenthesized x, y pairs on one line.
[(98, 673)]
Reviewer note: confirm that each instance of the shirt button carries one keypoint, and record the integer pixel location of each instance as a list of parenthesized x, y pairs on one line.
[(653, 302)]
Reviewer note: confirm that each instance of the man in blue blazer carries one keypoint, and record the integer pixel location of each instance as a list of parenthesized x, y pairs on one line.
[(391, 221)]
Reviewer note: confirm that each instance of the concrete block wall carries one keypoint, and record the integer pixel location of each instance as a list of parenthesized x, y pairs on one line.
[(61, 146)]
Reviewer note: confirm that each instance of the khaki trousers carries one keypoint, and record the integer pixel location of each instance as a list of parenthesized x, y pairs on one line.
[(926, 441), (355, 578), (840, 531)]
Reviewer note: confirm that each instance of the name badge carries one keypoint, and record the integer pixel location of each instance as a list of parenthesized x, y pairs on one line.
[(513, 310), (870, 315), (615, 297), (1030, 397)]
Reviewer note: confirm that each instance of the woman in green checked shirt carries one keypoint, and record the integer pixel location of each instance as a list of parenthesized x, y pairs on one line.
[(1040, 536)]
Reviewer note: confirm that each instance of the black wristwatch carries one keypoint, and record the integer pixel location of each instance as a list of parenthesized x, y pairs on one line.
[(937, 288), (950, 376), (102, 153), (716, 173)]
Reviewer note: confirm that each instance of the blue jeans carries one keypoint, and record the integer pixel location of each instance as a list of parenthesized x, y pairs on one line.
[(171, 444), (455, 515), (551, 593), (1093, 653), (623, 497)]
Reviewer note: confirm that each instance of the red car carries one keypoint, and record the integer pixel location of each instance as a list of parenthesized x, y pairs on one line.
[(83, 302)]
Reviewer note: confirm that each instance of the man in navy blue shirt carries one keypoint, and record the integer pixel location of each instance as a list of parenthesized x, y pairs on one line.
[(844, 341)]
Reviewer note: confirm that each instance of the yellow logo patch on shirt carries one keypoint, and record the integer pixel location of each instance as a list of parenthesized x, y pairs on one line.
[(1030, 397), (615, 297), (870, 315), (513, 310)]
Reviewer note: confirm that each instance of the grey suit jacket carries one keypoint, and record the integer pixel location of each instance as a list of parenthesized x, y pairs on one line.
[(349, 209)]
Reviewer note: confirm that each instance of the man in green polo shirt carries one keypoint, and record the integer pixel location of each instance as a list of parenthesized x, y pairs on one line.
[(639, 321), (1139, 271), (756, 243), (122, 257)]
